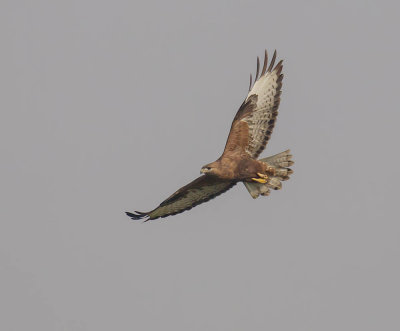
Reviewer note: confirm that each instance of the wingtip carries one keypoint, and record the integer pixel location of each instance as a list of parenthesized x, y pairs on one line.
[(271, 64), (137, 215), (251, 81), (267, 68), (258, 68), (265, 63)]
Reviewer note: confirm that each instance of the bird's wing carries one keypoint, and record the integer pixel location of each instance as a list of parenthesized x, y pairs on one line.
[(253, 124), (200, 190)]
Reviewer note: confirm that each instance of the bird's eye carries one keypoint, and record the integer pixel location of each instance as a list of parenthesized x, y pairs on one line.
[(208, 168)]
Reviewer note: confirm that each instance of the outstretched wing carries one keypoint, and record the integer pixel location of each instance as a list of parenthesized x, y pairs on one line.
[(200, 190), (255, 119)]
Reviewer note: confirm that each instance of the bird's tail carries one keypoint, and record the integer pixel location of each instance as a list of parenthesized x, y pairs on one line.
[(280, 164)]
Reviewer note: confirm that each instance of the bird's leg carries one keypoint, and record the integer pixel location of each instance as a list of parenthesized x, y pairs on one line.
[(262, 175)]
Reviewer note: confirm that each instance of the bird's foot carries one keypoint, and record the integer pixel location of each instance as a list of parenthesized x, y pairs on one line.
[(262, 175), (260, 180)]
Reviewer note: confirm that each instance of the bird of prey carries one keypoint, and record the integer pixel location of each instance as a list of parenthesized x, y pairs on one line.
[(250, 131)]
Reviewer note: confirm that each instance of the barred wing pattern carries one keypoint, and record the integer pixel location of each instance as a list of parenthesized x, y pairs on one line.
[(202, 189), (253, 124), (261, 121)]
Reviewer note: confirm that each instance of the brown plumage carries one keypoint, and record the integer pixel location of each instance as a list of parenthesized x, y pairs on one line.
[(250, 131)]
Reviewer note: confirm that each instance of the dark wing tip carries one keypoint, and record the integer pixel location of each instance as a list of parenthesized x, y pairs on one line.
[(271, 64), (278, 68), (251, 81), (265, 63), (137, 215), (258, 68)]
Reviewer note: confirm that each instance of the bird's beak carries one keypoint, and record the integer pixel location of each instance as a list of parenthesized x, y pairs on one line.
[(202, 171)]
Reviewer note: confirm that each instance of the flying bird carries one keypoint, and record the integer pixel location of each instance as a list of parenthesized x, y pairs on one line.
[(250, 131)]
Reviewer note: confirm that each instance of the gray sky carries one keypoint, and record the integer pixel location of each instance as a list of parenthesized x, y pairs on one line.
[(108, 106)]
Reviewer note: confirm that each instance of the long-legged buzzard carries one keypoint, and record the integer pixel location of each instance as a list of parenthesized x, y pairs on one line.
[(250, 131)]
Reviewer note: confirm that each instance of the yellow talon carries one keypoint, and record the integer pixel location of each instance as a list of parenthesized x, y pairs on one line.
[(260, 180), (262, 175)]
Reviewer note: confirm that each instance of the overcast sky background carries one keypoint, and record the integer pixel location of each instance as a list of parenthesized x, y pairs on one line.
[(108, 106)]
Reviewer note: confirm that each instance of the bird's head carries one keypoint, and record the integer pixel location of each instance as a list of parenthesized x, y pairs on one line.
[(208, 169)]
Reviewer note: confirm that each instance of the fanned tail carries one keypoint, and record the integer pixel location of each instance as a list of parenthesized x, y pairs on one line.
[(280, 164)]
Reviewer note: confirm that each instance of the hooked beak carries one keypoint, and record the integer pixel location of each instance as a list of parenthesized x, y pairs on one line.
[(202, 171)]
